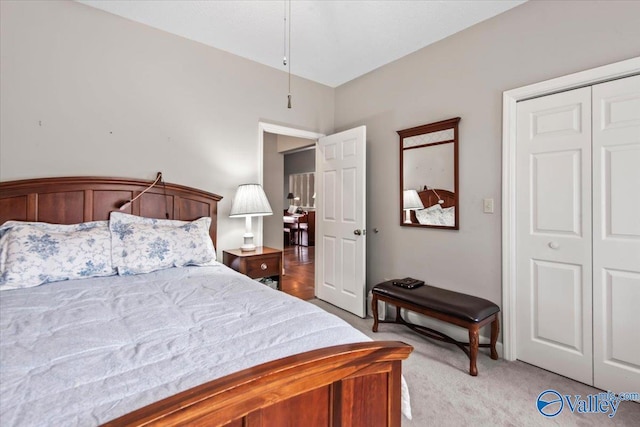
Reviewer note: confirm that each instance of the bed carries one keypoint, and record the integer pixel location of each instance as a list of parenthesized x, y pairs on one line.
[(435, 213), (192, 345)]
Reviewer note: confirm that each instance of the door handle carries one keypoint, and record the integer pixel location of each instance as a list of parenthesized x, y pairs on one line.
[(554, 245), (357, 232)]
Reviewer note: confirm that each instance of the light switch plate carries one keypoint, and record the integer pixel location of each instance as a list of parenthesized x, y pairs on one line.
[(488, 205)]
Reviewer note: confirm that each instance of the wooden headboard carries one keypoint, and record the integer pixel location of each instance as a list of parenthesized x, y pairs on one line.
[(71, 200), (429, 197)]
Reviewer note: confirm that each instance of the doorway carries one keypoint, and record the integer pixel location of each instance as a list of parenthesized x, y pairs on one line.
[(340, 256), (288, 168), (299, 220)]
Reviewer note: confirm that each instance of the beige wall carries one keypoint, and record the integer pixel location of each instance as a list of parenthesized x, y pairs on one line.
[(465, 75), (84, 92), (273, 184), (288, 143), (430, 166)]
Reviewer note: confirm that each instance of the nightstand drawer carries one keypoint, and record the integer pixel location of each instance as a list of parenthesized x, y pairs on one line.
[(263, 266), (264, 262)]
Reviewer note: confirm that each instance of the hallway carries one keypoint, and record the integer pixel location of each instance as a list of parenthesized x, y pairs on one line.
[(299, 270)]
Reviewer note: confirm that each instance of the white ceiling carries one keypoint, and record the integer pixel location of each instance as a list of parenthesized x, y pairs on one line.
[(332, 42)]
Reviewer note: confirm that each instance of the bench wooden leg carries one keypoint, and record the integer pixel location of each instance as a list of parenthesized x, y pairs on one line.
[(374, 310), (495, 329), (473, 350)]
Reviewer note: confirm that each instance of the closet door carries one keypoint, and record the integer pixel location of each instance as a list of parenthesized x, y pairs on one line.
[(553, 233), (616, 234)]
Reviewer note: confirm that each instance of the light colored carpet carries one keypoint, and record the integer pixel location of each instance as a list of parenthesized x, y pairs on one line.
[(503, 394)]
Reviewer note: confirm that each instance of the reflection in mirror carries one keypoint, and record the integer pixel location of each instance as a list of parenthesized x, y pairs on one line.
[(429, 175), (410, 201)]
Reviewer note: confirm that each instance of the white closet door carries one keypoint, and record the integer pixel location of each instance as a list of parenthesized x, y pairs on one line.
[(616, 234), (553, 233)]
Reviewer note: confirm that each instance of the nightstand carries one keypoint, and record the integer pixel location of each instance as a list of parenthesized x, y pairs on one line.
[(263, 262)]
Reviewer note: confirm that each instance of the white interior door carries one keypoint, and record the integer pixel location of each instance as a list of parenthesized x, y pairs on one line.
[(341, 220), (616, 234), (553, 233)]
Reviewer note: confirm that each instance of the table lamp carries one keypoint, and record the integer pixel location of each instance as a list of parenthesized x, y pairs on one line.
[(250, 201)]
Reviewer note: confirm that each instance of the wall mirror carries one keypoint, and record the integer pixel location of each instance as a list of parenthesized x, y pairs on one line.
[(429, 195)]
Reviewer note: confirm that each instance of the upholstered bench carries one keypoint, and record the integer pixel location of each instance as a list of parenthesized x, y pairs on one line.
[(459, 309)]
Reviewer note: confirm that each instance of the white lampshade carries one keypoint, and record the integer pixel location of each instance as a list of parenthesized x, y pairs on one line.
[(411, 200), (250, 200)]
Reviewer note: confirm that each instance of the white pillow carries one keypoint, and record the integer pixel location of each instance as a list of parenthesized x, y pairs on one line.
[(33, 253), (449, 216), (141, 245), (435, 215)]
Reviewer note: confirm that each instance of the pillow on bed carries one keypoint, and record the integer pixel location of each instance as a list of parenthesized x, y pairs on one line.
[(142, 245), (33, 253), (436, 215), (449, 216), (428, 215)]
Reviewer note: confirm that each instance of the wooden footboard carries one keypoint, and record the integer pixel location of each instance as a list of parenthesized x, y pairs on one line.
[(346, 385)]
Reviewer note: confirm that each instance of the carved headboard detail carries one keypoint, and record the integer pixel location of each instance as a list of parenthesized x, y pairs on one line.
[(70, 200), (429, 198)]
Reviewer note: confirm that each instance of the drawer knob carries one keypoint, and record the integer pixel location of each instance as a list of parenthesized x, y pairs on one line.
[(263, 266)]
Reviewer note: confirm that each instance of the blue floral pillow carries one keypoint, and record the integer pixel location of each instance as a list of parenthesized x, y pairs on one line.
[(33, 253), (141, 245)]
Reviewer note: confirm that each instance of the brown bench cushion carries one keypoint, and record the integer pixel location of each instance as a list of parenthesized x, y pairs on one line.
[(456, 304)]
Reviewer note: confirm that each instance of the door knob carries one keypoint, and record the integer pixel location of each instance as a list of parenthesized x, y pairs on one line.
[(554, 245), (357, 232)]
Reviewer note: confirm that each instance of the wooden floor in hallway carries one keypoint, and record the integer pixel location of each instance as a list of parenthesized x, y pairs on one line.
[(299, 271)]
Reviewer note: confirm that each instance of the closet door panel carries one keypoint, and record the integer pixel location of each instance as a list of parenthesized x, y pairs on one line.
[(616, 234), (553, 233)]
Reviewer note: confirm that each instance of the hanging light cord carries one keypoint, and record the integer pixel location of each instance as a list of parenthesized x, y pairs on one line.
[(289, 62), (284, 36)]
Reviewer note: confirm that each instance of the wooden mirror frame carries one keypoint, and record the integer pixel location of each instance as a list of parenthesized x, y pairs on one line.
[(429, 199)]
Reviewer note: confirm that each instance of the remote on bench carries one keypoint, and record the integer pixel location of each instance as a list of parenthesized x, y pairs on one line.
[(407, 283)]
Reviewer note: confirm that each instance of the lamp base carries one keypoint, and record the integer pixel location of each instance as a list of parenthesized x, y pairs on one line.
[(248, 248), (248, 237), (407, 216)]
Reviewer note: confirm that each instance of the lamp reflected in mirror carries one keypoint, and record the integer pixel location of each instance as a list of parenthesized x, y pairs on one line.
[(410, 201)]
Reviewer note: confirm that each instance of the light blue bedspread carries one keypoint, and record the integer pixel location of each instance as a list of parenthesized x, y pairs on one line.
[(84, 352)]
